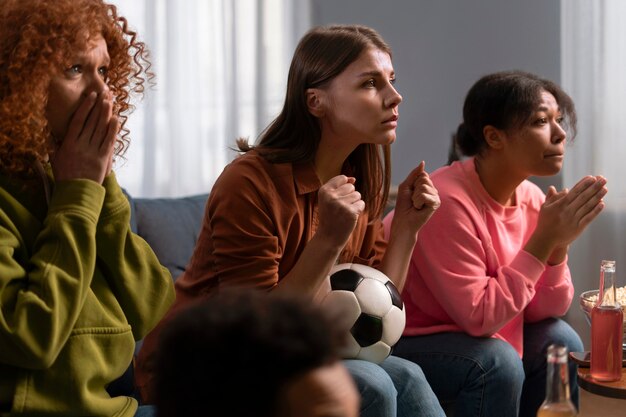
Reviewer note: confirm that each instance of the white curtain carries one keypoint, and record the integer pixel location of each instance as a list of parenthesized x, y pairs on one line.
[(221, 71), (594, 73)]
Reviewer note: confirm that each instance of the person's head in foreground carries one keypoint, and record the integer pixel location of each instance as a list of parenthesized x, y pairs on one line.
[(59, 59), (244, 353)]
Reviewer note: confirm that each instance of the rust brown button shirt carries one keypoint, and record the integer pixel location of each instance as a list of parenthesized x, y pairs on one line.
[(258, 219)]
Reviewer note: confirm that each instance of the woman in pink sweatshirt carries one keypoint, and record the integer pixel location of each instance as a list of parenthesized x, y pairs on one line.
[(489, 274)]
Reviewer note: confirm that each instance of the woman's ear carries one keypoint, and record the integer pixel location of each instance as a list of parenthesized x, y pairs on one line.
[(494, 137), (315, 102)]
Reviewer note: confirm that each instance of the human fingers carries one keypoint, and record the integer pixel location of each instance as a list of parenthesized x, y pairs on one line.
[(350, 198), (555, 197), (108, 143), (583, 184), (409, 189), (339, 188), (593, 193), (107, 149), (422, 201), (109, 167), (591, 215), (92, 120), (338, 181), (422, 179), (414, 174), (424, 194), (102, 123), (358, 206), (347, 194), (591, 202), (339, 209), (80, 116), (345, 188)]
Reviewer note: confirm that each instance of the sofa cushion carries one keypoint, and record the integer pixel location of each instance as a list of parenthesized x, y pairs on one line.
[(170, 226)]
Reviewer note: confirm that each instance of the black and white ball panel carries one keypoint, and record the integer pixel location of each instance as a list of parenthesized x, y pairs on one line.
[(345, 280), (396, 298), (372, 307), (367, 329)]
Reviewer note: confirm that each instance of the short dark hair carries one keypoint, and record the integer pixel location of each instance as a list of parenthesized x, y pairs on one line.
[(231, 354), (506, 100)]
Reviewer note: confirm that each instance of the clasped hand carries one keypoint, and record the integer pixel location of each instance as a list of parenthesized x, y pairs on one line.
[(565, 214)]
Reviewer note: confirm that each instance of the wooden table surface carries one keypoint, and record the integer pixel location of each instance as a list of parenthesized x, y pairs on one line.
[(616, 389)]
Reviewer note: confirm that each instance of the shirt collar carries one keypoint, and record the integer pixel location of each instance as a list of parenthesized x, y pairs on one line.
[(305, 178)]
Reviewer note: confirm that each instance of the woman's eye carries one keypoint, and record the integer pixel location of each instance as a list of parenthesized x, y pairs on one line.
[(542, 121), (370, 83), (74, 69), (392, 81), (560, 120), (103, 71)]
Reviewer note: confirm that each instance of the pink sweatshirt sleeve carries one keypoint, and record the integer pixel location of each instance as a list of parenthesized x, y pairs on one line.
[(454, 256), (553, 294)]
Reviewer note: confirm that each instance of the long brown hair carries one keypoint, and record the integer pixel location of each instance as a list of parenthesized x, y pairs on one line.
[(37, 38), (321, 55)]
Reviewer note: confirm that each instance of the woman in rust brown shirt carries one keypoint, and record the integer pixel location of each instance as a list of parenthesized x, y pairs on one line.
[(311, 194)]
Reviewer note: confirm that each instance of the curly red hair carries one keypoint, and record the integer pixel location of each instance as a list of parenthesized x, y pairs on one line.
[(37, 38)]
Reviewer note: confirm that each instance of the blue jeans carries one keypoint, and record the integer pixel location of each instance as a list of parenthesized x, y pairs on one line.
[(537, 338), (485, 376), (396, 387), (146, 411)]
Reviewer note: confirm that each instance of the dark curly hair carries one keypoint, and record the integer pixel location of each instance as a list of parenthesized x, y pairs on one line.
[(36, 38), (231, 354)]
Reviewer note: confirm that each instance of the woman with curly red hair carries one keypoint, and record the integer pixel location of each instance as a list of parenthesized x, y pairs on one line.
[(77, 287)]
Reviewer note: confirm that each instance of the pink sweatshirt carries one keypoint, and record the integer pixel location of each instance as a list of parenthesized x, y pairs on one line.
[(469, 271)]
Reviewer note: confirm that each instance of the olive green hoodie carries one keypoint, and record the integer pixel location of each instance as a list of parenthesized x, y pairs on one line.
[(77, 289)]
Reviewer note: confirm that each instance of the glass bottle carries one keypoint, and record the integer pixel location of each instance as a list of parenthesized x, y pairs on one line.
[(606, 329), (557, 402)]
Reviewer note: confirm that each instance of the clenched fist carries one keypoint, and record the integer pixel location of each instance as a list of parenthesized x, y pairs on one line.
[(417, 200), (340, 205)]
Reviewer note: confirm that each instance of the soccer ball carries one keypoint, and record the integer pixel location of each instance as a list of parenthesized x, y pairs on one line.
[(373, 306)]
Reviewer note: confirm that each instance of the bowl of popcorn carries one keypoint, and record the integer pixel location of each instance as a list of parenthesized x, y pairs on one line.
[(589, 298)]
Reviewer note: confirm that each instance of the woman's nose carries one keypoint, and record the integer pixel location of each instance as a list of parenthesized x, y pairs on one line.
[(97, 84), (558, 133), (394, 98)]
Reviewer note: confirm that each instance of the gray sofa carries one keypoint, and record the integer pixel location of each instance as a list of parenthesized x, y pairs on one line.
[(170, 226)]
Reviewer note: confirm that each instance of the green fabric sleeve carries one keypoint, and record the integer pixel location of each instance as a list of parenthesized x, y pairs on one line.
[(43, 292), (143, 287)]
